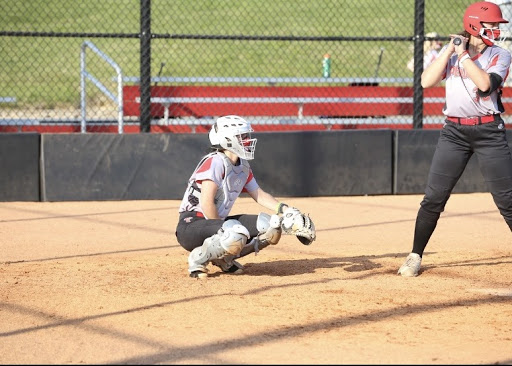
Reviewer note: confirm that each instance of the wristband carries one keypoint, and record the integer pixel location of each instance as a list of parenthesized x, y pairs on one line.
[(279, 208)]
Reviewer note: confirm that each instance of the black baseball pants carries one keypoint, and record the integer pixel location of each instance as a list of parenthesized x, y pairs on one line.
[(456, 144)]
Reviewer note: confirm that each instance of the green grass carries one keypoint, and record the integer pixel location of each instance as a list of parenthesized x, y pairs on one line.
[(46, 71)]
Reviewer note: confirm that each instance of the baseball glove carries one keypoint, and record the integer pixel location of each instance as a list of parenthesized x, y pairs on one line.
[(296, 223)]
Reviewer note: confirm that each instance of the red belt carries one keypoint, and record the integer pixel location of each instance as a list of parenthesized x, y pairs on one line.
[(473, 120)]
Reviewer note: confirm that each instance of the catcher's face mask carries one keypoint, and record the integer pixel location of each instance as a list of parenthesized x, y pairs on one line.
[(233, 133), (248, 144)]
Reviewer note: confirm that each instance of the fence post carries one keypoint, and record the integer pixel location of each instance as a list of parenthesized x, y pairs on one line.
[(145, 65), (419, 37)]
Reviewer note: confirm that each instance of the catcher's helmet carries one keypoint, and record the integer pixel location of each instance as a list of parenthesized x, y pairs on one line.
[(233, 133), (483, 12)]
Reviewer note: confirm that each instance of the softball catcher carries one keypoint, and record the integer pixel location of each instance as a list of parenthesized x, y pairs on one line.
[(206, 229)]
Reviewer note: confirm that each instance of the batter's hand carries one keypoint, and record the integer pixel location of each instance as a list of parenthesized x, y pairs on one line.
[(457, 48)]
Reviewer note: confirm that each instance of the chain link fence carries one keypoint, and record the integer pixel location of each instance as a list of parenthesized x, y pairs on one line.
[(172, 66)]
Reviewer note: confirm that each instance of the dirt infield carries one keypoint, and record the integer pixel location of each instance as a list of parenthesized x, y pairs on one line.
[(107, 283)]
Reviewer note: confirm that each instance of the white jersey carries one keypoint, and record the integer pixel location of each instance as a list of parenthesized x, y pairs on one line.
[(462, 99), (230, 179)]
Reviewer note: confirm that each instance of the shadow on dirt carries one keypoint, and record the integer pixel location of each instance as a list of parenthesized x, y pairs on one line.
[(301, 266), (353, 264)]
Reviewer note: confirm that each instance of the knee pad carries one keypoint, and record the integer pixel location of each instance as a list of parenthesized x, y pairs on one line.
[(233, 236), (269, 228), (229, 240)]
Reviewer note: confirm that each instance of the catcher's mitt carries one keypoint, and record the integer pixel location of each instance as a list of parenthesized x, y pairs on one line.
[(298, 224)]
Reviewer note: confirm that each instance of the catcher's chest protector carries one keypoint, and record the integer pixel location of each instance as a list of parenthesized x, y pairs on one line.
[(234, 181)]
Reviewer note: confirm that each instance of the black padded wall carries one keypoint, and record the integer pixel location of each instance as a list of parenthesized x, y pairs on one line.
[(19, 167), (319, 163), (157, 166), (118, 167), (75, 167)]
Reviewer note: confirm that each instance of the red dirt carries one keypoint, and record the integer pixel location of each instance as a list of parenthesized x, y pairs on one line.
[(107, 283)]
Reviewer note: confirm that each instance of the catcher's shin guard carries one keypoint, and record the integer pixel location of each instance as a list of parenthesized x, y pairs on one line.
[(229, 240), (269, 228)]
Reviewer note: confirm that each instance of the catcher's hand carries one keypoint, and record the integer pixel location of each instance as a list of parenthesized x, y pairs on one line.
[(298, 224)]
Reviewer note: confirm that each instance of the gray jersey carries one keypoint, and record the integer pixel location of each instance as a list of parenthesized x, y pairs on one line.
[(230, 179), (462, 99)]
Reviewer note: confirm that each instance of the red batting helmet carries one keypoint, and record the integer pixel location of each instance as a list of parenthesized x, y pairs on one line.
[(481, 12)]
